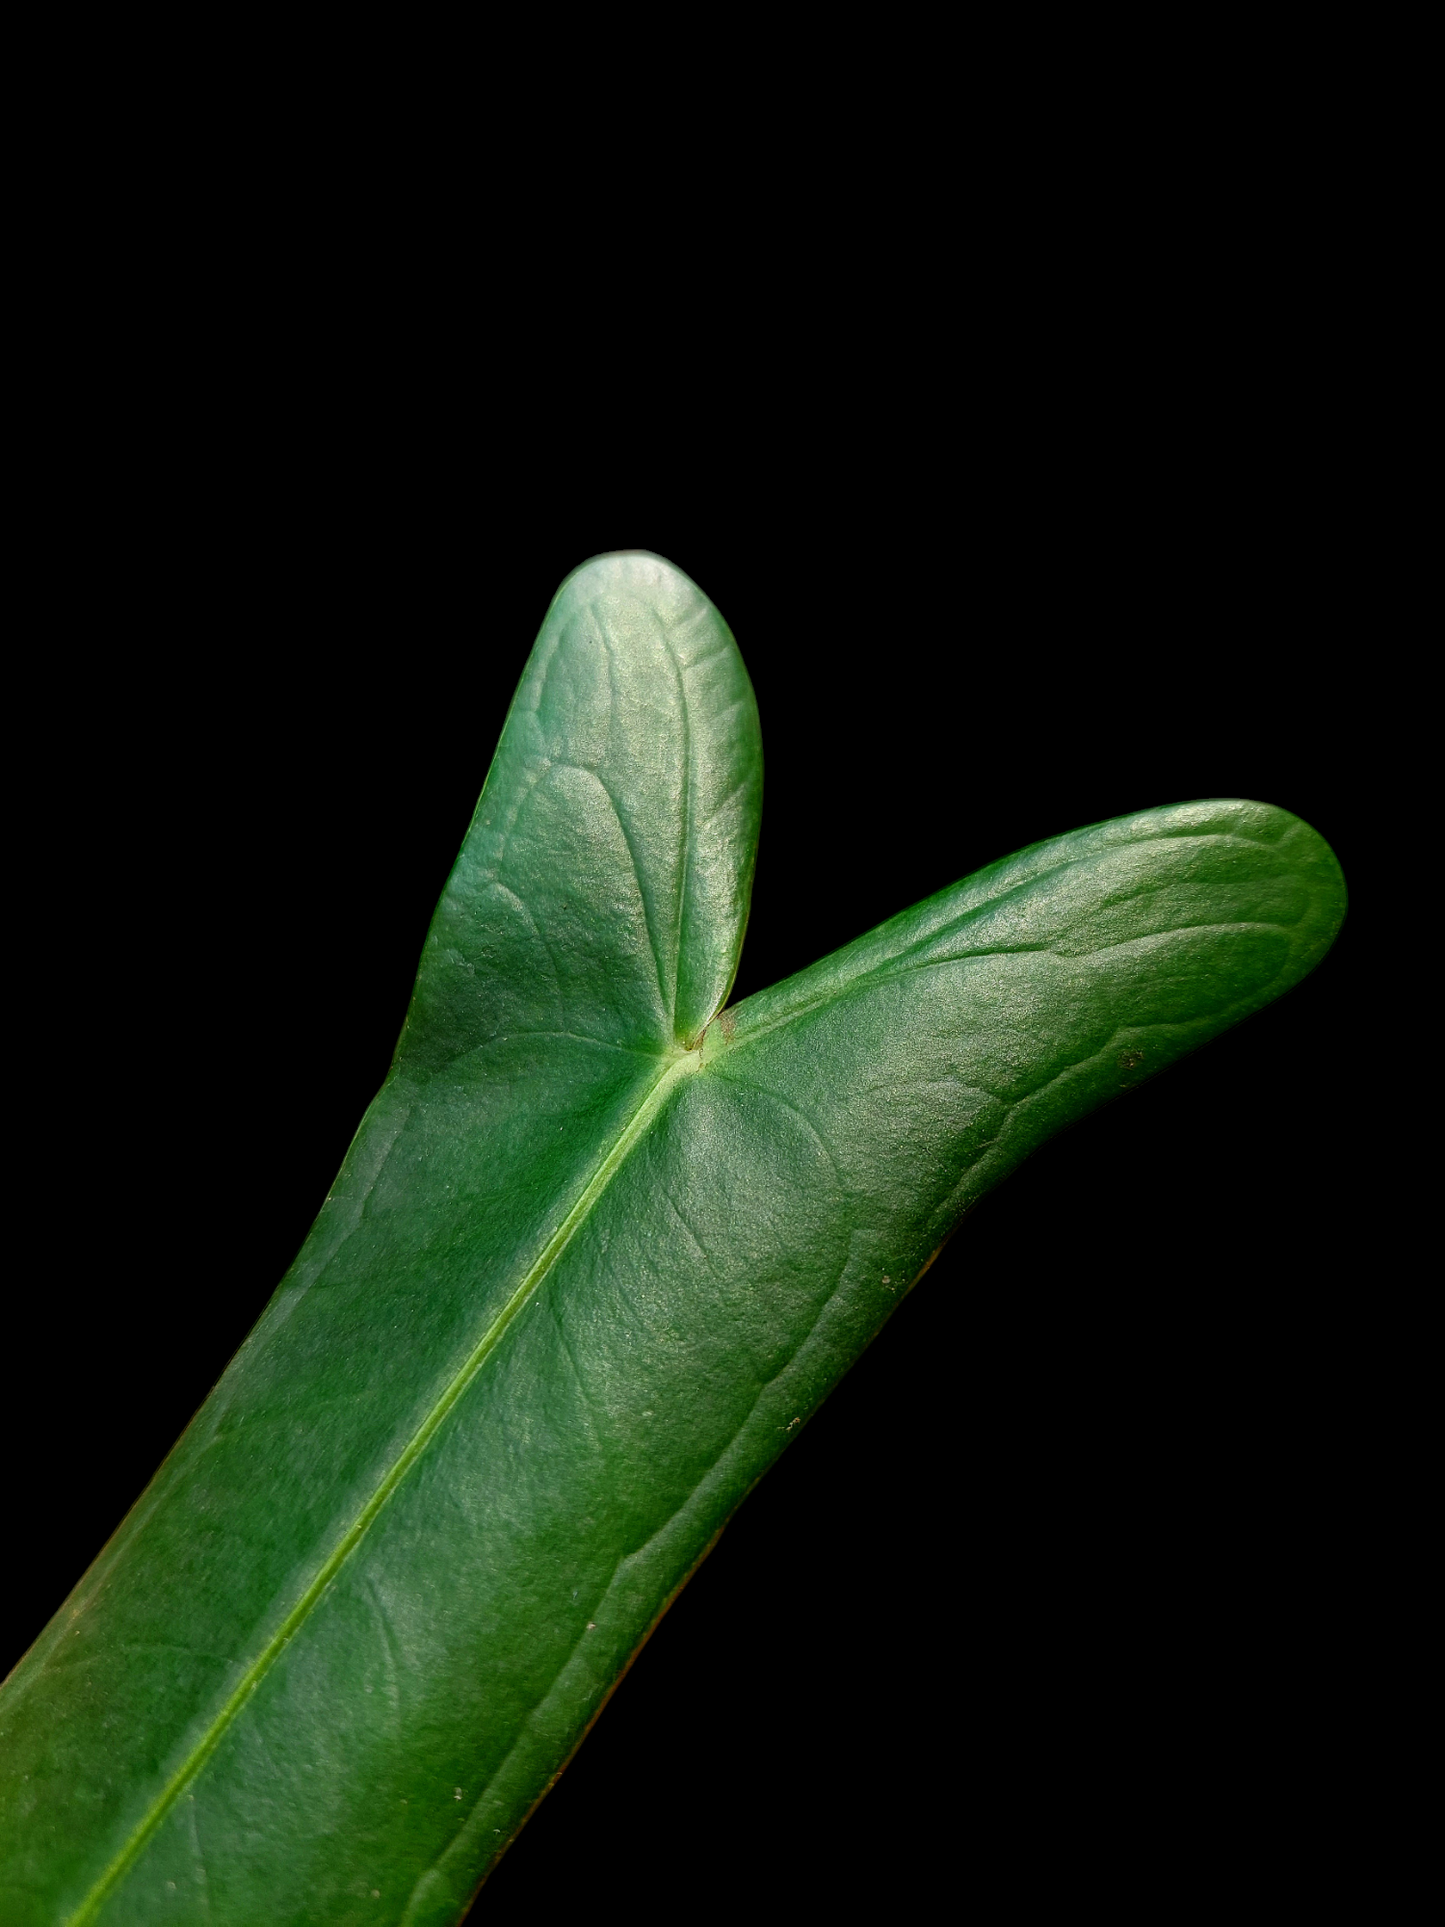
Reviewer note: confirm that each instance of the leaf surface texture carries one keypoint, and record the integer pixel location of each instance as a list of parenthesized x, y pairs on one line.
[(594, 1255)]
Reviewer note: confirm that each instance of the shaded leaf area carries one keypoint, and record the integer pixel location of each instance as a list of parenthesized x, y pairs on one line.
[(584, 1274), (1040, 1599)]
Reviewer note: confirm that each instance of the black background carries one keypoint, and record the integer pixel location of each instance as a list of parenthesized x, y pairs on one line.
[(1041, 1601)]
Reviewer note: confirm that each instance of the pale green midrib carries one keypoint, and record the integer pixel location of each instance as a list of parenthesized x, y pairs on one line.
[(894, 967), (676, 1067), (1017, 883)]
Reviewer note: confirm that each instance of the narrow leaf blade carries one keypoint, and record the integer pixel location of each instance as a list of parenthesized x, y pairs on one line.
[(590, 1263)]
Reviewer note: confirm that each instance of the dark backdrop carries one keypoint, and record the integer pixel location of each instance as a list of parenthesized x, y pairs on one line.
[(1040, 1601)]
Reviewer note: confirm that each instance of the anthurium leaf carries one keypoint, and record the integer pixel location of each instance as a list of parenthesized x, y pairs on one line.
[(595, 1254)]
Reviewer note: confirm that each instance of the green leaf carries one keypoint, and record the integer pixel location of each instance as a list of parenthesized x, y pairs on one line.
[(594, 1256)]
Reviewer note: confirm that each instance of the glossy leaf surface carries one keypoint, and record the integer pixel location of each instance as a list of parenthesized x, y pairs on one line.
[(593, 1257)]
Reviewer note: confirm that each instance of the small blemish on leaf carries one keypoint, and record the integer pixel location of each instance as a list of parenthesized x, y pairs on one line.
[(1129, 1058)]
